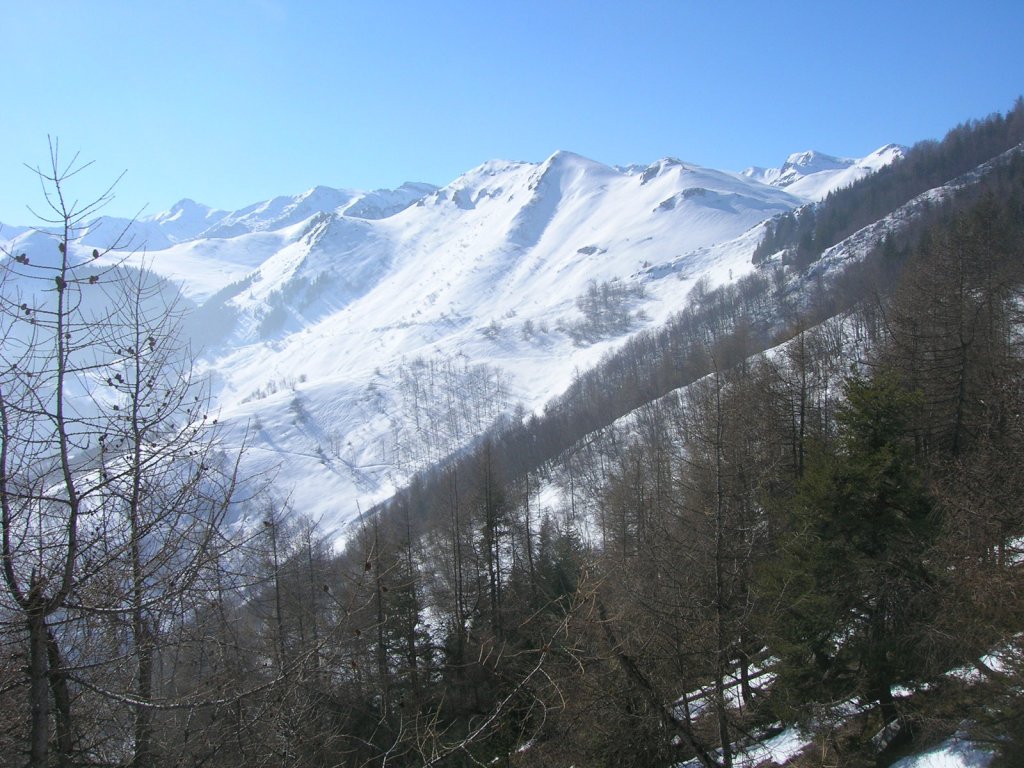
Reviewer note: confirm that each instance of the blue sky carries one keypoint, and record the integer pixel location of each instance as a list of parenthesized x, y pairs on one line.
[(231, 102)]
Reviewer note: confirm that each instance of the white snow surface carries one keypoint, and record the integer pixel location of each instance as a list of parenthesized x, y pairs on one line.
[(314, 309), (813, 175), (8, 232), (955, 752), (778, 749)]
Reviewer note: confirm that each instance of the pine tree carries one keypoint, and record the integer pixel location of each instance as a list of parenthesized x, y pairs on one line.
[(855, 584)]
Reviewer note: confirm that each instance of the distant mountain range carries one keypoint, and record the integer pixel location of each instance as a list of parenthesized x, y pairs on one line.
[(314, 312), (812, 175)]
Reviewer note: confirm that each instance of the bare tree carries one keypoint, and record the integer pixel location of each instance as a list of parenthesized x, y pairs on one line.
[(112, 486)]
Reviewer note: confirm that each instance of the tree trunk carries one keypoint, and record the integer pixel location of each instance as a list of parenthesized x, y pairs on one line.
[(745, 689), (143, 756), (39, 686), (722, 639), (61, 701)]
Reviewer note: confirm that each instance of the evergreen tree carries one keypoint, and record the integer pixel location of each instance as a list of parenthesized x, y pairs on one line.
[(855, 583)]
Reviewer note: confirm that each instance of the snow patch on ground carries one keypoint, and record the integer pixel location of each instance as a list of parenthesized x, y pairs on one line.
[(955, 752)]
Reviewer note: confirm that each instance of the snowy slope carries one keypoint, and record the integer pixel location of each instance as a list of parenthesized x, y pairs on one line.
[(503, 243), (362, 336), (813, 175), (188, 220), (8, 233), (461, 275)]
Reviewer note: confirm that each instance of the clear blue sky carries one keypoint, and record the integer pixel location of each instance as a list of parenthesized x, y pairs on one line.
[(231, 102)]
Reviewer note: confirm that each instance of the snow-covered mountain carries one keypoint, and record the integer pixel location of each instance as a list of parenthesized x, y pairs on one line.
[(361, 336), (8, 232), (188, 220), (813, 175)]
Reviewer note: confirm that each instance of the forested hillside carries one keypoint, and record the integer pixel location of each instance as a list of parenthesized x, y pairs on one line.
[(806, 233), (790, 516)]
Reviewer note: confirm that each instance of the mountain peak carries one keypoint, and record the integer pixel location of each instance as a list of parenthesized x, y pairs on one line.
[(659, 167), (567, 165), (183, 207), (883, 156), (420, 187), (812, 175), (186, 203), (324, 196), (565, 156), (563, 160), (812, 161)]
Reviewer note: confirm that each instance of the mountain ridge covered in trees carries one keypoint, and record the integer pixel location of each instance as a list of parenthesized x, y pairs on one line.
[(808, 232)]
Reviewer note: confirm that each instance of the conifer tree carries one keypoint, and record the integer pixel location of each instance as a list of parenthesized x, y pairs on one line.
[(855, 586)]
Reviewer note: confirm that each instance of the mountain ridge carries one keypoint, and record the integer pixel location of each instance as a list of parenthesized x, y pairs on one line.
[(813, 175), (188, 219), (316, 308)]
